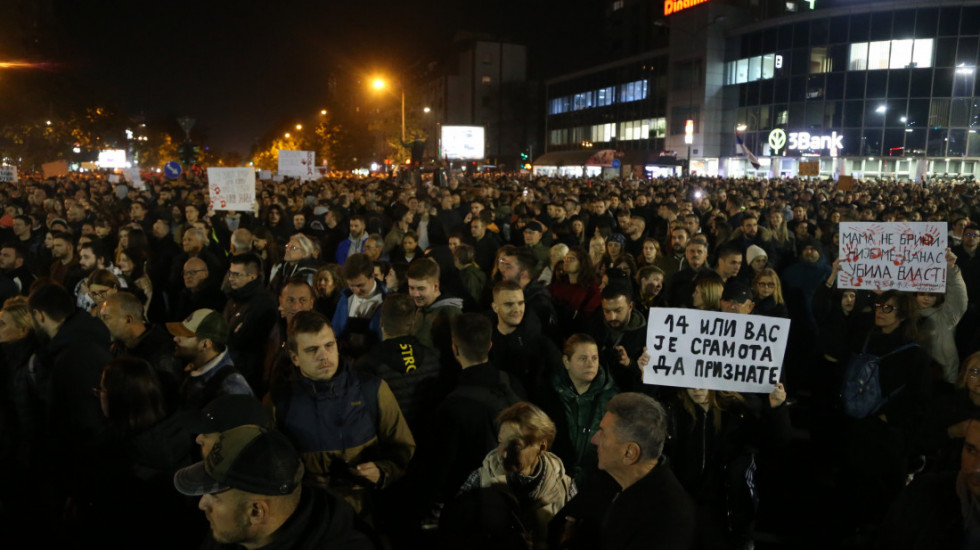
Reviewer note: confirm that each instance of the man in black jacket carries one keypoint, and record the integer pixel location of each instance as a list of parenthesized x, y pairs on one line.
[(650, 509), (251, 490), (251, 314), (464, 427)]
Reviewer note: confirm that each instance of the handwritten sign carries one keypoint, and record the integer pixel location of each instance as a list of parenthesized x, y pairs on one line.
[(909, 256), (715, 351), (8, 174), (232, 188), (297, 164)]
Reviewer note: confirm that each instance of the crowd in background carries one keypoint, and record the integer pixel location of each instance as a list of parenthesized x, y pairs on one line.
[(481, 327)]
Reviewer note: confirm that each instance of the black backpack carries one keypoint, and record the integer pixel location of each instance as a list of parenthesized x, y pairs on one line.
[(861, 394)]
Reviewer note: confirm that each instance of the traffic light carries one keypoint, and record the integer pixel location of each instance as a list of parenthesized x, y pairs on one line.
[(189, 153), (523, 156)]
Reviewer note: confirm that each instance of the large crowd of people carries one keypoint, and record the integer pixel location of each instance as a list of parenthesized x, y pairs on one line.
[(389, 363)]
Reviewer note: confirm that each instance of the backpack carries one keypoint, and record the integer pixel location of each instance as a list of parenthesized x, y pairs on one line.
[(861, 394)]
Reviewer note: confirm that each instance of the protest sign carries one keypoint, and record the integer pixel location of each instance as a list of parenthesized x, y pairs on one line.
[(133, 176), (845, 183), (8, 174), (54, 169), (690, 348), (231, 188), (811, 168), (265, 175), (297, 164), (908, 256)]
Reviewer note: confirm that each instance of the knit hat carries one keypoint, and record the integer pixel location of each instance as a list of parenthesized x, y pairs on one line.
[(617, 238), (248, 458), (754, 252)]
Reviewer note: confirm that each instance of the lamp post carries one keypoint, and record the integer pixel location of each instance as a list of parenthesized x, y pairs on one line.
[(380, 84)]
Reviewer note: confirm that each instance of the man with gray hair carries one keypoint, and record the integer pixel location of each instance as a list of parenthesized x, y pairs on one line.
[(651, 509)]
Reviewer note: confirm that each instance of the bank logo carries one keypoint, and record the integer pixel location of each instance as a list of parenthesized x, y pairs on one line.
[(777, 140)]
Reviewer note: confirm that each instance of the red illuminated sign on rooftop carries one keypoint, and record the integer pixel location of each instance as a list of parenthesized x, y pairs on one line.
[(674, 6)]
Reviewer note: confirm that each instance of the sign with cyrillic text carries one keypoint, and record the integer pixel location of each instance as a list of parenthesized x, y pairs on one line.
[(297, 164), (714, 351), (8, 174), (907, 256), (232, 188)]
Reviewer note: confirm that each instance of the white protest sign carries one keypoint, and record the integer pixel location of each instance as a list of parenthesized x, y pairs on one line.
[(133, 176), (8, 174), (908, 256), (232, 188), (297, 164), (690, 348), (265, 175), (115, 178)]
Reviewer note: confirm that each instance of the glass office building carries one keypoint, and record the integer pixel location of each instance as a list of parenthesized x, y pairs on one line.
[(887, 88)]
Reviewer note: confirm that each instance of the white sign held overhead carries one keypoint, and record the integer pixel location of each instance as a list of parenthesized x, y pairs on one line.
[(715, 351), (133, 176), (8, 174), (908, 256), (298, 164), (232, 188), (265, 175)]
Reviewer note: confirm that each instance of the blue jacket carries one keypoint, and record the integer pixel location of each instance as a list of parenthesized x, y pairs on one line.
[(342, 313)]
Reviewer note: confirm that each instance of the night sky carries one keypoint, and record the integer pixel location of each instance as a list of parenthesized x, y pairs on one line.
[(238, 67)]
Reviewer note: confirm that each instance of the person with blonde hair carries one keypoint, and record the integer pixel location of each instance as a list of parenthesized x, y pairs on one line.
[(520, 477)]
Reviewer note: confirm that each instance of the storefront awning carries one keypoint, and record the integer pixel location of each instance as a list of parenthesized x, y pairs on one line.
[(563, 158)]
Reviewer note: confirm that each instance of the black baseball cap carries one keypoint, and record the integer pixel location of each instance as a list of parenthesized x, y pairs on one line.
[(249, 458)]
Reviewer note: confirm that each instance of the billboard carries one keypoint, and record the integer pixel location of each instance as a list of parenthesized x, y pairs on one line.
[(462, 142), (113, 158)]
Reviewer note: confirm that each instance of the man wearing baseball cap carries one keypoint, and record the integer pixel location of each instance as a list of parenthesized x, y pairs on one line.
[(201, 338), (252, 495)]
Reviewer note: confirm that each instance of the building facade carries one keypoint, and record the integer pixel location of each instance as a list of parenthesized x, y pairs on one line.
[(866, 88)]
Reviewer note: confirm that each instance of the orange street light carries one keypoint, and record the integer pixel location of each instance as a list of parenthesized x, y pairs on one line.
[(299, 126)]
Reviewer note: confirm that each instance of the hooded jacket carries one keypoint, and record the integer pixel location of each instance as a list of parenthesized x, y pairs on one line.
[(436, 317), (576, 419)]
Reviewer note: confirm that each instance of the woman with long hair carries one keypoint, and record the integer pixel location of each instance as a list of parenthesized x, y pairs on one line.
[(132, 263), (708, 289), (328, 281), (101, 284), (649, 254), (146, 443), (768, 293), (714, 437), (575, 290)]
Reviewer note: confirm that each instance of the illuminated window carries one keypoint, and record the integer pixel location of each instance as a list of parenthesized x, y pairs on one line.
[(486, 79), (768, 65), (820, 62), (878, 55), (901, 56), (755, 68), (617, 5), (922, 53), (859, 57), (742, 71)]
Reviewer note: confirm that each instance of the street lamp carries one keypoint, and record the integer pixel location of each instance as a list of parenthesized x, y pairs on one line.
[(299, 127), (380, 84), (286, 135)]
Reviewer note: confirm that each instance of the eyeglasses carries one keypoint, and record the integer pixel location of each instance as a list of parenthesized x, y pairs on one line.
[(194, 271), (236, 275), (973, 373), (972, 234), (98, 294), (884, 308), (292, 247)]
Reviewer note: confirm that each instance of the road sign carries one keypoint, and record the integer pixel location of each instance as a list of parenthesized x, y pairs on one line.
[(172, 169), (616, 163)]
